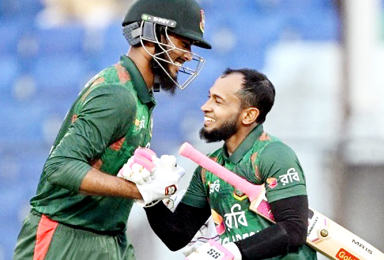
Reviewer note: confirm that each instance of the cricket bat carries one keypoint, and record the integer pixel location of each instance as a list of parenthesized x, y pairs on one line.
[(324, 235)]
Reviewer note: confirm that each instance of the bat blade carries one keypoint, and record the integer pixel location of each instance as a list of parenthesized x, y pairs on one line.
[(324, 235)]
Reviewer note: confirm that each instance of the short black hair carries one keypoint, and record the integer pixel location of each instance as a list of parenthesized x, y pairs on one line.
[(257, 91)]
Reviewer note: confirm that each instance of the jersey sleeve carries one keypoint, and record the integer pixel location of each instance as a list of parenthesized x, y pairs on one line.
[(105, 116), (281, 172), (195, 195)]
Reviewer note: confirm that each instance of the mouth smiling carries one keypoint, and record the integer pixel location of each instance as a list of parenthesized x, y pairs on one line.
[(208, 121), (178, 63)]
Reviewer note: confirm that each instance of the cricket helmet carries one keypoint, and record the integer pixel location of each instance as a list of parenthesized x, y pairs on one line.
[(147, 19), (188, 15)]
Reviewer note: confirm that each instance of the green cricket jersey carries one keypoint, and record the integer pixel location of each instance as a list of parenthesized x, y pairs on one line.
[(109, 120), (261, 159)]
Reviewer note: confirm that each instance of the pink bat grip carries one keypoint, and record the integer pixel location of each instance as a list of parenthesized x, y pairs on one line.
[(250, 189)]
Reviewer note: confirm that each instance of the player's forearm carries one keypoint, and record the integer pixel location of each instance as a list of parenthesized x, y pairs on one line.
[(286, 235), (96, 182), (270, 242), (176, 229)]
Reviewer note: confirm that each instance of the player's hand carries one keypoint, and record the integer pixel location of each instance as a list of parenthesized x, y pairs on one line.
[(165, 177), (213, 250), (140, 167)]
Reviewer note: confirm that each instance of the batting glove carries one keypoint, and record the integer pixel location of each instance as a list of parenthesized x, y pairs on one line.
[(213, 250), (140, 167), (166, 175)]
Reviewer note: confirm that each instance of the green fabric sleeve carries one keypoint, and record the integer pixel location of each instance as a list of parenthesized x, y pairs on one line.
[(195, 195), (282, 172), (104, 117)]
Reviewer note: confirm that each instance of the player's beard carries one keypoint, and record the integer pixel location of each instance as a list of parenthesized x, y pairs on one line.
[(225, 131), (166, 82)]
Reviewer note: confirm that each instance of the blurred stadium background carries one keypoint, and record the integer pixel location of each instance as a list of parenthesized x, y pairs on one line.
[(325, 58)]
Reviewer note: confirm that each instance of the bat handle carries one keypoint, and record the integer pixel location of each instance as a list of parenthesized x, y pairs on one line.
[(252, 190)]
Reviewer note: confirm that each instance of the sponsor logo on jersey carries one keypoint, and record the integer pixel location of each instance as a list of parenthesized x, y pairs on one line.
[(272, 182), (239, 195), (236, 237), (140, 123), (291, 176), (235, 218), (345, 255), (214, 187)]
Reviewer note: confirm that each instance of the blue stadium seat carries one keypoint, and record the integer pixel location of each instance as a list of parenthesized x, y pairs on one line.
[(111, 48), (61, 40), (9, 68), (313, 25), (292, 5), (21, 121), (326, 30), (59, 76), (8, 8), (13, 199), (20, 10), (9, 37), (114, 41), (31, 6)]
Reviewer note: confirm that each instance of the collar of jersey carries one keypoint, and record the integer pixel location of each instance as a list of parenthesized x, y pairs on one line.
[(245, 145), (137, 79)]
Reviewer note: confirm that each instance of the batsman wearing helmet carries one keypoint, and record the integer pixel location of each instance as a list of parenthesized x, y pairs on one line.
[(88, 184)]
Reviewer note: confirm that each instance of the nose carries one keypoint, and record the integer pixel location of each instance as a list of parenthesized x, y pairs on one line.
[(188, 56), (206, 107)]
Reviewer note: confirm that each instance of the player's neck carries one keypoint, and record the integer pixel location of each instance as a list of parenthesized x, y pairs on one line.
[(143, 62), (233, 142)]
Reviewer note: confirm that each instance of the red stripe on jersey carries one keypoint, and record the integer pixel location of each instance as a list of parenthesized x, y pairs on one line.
[(44, 235), (122, 73)]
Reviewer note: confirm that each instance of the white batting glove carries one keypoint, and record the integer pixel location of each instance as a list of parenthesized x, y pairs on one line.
[(206, 232), (166, 176), (140, 167), (213, 250), (174, 200)]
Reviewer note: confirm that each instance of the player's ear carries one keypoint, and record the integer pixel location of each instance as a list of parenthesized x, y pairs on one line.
[(148, 47), (250, 115)]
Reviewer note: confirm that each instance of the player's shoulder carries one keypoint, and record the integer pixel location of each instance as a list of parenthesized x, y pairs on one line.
[(115, 74), (105, 84), (276, 148), (113, 78)]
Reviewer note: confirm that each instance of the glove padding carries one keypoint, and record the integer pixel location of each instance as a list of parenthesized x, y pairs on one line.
[(213, 250), (164, 181), (140, 167)]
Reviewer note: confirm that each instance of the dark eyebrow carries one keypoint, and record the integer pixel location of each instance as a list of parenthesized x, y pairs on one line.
[(187, 43), (218, 97)]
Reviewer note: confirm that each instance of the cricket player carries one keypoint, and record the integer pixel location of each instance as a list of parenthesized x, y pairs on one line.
[(81, 207), (204, 234), (235, 111)]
